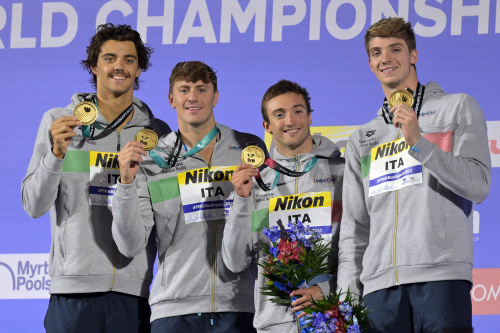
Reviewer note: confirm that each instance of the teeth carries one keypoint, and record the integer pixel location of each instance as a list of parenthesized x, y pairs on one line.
[(292, 130)]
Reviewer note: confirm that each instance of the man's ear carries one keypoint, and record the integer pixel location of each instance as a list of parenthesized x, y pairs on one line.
[(266, 126), (414, 56)]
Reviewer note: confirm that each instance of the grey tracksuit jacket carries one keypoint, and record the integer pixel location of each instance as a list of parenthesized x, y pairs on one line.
[(83, 255), (421, 232), (191, 277), (243, 235)]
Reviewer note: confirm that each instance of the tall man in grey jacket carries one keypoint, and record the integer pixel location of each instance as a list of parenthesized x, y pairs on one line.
[(73, 173), (412, 175), (183, 190), (286, 112)]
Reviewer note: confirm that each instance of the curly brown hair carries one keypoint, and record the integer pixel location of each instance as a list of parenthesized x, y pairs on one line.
[(122, 33)]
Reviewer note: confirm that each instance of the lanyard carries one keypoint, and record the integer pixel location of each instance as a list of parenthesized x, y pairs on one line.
[(279, 169), (88, 130), (418, 97), (173, 157)]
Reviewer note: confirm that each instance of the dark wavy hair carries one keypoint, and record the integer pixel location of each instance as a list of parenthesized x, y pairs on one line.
[(280, 88), (122, 33)]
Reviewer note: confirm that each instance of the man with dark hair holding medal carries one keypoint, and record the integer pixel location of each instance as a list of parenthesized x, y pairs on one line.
[(412, 175), (182, 190), (72, 174), (302, 166)]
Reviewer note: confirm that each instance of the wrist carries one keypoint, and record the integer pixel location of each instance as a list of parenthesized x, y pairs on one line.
[(125, 180), (58, 154)]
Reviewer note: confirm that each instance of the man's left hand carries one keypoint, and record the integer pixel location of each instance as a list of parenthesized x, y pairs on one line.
[(305, 296)]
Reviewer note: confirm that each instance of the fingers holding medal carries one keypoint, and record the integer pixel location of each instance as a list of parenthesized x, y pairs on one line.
[(86, 112), (401, 96), (148, 137), (253, 155)]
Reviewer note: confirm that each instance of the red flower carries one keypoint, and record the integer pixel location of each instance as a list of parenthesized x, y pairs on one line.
[(333, 311), (339, 327), (271, 269), (288, 250)]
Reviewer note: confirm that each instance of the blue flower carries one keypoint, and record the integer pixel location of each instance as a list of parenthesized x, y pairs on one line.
[(354, 328), (346, 310), (273, 233), (319, 321), (309, 244), (274, 251)]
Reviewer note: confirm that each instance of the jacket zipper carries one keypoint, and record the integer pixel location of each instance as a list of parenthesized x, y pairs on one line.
[(114, 245), (296, 168), (118, 146), (214, 250), (114, 268), (214, 255), (396, 213)]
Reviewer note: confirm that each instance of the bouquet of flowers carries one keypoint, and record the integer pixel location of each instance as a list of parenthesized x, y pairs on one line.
[(330, 315), (297, 258)]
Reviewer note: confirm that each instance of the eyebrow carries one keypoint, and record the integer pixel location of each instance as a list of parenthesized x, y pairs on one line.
[(196, 86), (294, 106), (390, 45), (114, 55)]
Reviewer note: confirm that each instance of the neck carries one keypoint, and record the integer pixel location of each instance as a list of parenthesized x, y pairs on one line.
[(110, 108), (287, 151), (191, 135)]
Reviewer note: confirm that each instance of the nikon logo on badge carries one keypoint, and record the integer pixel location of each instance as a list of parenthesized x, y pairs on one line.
[(203, 176), (391, 148), (294, 202), (104, 160), (24, 276)]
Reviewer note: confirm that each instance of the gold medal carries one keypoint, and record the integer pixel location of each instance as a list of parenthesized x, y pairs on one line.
[(147, 137), (401, 96), (253, 155), (86, 112)]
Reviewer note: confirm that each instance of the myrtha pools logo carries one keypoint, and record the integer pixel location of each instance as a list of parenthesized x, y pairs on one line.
[(24, 276)]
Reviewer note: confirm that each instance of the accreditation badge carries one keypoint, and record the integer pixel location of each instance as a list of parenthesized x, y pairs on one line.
[(392, 168), (206, 193), (104, 172), (313, 209)]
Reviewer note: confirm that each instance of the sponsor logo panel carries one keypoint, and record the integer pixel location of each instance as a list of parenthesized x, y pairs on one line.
[(485, 293), (24, 276), (494, 142)]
